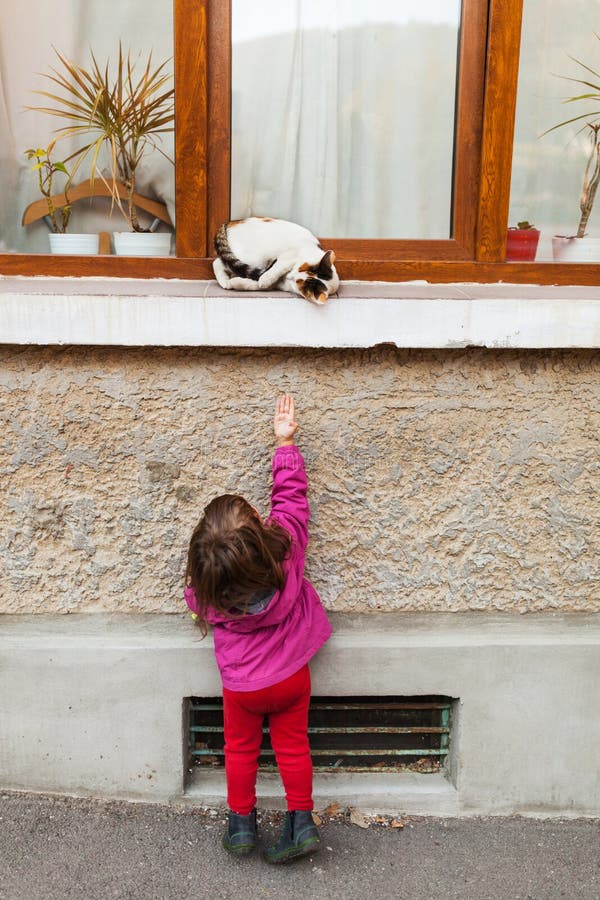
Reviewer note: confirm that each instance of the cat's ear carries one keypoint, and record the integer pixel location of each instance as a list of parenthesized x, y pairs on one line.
[(313, 289), (325, 270)]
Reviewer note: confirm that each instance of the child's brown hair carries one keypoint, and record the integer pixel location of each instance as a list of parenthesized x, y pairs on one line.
[(234, 556)]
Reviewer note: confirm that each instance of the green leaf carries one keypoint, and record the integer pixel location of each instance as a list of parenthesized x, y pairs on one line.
[(583, 66)]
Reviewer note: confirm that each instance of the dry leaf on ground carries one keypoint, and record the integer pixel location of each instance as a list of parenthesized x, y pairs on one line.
[(332, 810), (357, 818)]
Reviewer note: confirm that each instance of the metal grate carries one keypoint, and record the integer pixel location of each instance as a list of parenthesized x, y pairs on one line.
[(358, 734)]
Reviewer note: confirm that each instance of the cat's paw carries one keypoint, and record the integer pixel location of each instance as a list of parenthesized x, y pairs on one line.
[(221, 273), (269, 281), (243, 284), (264, 284)]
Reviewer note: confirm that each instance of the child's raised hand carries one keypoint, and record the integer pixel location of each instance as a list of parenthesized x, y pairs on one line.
[(283, 423)]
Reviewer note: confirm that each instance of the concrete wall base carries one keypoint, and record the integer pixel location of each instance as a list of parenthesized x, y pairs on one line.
[(378, 793), (93, 706)]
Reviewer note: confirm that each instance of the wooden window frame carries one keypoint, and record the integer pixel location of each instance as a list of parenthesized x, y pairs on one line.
[(486, 103)]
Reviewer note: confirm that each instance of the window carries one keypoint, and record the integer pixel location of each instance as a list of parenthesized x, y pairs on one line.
[(355, 137), (548, 163), (455, 178), (81, 29)]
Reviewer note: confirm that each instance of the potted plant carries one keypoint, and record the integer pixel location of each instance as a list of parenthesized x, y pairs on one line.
[(58, 215), (522, 242), (127, 113), (580, 247)]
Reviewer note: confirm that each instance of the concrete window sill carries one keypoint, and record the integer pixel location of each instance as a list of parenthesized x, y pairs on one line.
[(125, 312)]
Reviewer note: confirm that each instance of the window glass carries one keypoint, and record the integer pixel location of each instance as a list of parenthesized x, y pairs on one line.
[(28, 31), (343, 114), (548, 168)]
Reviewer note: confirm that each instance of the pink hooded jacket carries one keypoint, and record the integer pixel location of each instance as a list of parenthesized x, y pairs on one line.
[(257, 650)]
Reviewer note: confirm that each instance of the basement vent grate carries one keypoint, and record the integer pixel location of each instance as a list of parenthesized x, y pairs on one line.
[(347, 734)]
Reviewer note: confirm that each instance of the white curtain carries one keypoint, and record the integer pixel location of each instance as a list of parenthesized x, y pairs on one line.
[(343, 114), (28, 29)]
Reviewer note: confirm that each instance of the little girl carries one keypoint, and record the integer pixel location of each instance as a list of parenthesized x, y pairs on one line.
[(245, 577)]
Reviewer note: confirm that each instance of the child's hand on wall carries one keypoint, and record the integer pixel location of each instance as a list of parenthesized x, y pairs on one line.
[(283, 423)]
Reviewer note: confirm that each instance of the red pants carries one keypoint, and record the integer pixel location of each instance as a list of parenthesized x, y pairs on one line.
[(286, 705)]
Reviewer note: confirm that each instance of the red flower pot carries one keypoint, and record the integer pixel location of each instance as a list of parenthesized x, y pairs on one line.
[(521, 244)]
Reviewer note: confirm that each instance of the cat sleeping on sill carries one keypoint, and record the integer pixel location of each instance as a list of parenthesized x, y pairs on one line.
[(262, 254)]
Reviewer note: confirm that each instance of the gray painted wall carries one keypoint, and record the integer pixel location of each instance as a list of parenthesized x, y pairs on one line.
[(92, 705)]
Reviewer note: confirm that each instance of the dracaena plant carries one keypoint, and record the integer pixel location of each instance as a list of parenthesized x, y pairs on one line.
[(127, 113), (591, 123)]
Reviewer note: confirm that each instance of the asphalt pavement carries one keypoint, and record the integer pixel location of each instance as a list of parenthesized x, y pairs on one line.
[(72, 849)]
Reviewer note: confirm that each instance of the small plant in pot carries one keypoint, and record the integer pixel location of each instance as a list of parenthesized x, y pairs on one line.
[(58, 214), (580, 247), (522, 242), (127, 113)]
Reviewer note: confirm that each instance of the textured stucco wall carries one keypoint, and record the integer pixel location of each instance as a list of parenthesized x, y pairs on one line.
[(440, 480)]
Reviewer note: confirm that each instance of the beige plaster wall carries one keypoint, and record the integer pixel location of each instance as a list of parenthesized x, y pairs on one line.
[(440, 480)]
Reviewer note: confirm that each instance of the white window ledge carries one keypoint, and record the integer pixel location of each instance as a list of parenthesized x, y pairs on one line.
[(157, 312)]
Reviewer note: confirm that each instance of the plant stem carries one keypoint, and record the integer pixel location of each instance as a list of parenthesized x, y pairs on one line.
[(590, 182)]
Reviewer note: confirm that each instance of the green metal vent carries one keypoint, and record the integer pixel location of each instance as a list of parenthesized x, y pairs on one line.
[(358, 734)]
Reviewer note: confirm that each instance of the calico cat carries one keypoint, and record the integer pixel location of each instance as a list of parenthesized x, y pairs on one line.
[(260, 254)]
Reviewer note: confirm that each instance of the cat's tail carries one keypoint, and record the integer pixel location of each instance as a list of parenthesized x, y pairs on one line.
[(222, 247), (233, 265)]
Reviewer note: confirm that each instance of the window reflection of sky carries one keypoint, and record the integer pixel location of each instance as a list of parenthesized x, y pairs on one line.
[(267, 17)]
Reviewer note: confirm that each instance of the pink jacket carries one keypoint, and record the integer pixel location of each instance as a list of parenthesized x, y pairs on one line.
[(257, 650)]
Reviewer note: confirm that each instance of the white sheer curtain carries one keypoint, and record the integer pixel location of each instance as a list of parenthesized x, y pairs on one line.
[(28, 29), (343, 114)]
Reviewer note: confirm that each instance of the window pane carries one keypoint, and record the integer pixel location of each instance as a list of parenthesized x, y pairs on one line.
[(343, 114), (548, 169), (28, 30)]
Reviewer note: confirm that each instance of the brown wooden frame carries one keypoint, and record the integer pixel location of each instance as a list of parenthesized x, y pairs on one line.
[(487, 87)]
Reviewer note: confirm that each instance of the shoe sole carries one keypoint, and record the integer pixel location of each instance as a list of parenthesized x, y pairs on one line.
[(310, 845), (239, 849)]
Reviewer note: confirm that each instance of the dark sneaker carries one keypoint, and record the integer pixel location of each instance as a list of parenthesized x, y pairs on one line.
[(240, 837), (299, 837)]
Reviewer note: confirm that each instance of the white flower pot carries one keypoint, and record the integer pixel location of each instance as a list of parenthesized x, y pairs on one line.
[(574, 249), (74, 244), (142, 243)]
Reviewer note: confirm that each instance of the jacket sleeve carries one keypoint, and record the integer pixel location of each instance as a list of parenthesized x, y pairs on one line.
[(289, 503)]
